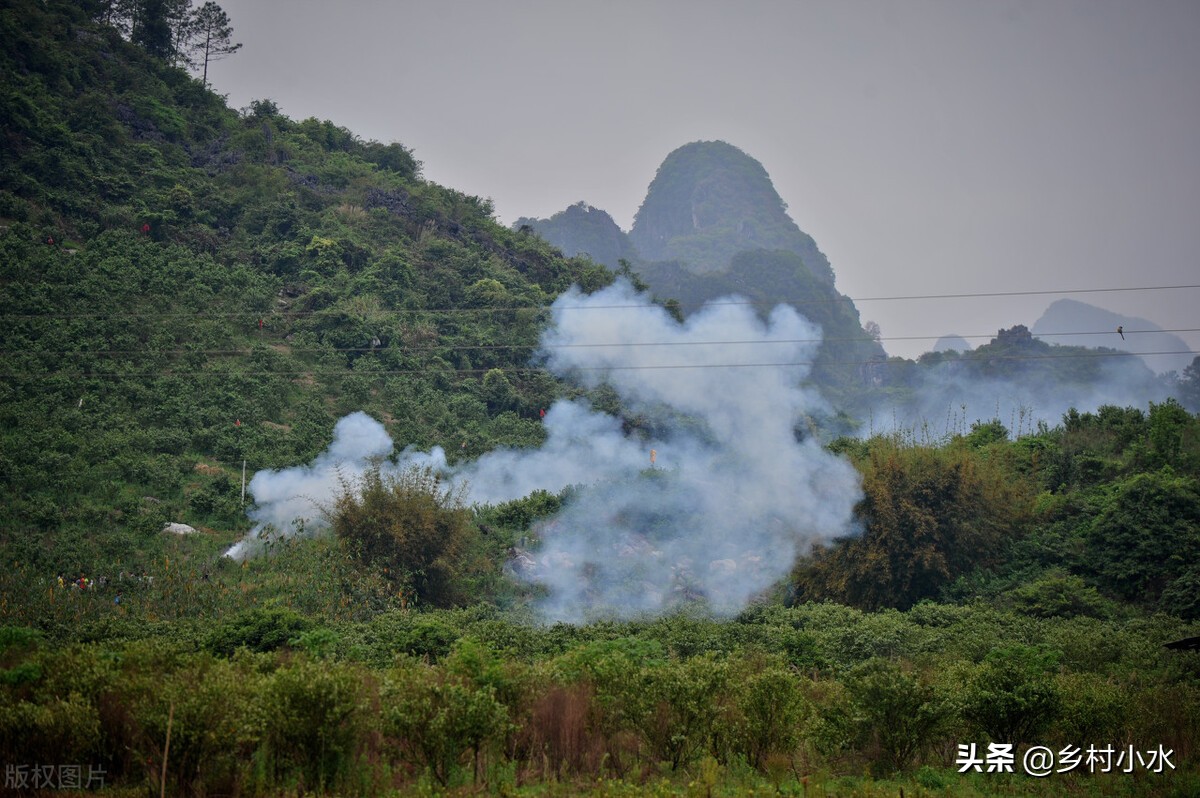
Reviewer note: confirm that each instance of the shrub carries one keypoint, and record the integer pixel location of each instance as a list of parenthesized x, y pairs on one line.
[(771, 712), (260, 629), (309, 723), (1146, 533), (1013, 696), (411, 526), (898, 714), (680, 704), (437, 718), (929, 516)]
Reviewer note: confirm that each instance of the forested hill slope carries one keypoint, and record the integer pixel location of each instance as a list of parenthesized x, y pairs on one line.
[(184, 286), (581, 229), (710, 201)]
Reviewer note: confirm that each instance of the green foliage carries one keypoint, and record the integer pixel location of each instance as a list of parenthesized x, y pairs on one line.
[(1146, 533), (771, 711), (436, 718), (265, 629), (1092, 708), (521, 513), (1012, 696), (209, 704), (929, 516), (1057, 594), (1169, 424), (410, 526), (308, 720), (679, 705), (986, 433), (897, 712), (1189, 386)]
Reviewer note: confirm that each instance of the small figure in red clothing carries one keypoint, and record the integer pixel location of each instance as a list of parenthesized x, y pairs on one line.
[(146, 228)]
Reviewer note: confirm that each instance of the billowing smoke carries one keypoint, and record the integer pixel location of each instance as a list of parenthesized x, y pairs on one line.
[(292, 499), (733, 495), (717, 515)]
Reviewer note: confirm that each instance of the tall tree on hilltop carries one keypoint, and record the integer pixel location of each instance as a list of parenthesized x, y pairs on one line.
[(158, 26), (211, 36)]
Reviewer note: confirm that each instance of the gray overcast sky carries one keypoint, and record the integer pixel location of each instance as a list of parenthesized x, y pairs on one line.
[(928, 146)]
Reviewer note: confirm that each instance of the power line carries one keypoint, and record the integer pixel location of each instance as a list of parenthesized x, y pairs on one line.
[(1024, 293), (256, 314)]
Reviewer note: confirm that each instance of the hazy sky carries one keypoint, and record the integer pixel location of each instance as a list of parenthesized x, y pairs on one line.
[(929, 147)]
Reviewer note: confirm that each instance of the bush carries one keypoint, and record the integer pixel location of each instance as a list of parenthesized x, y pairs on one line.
[(208, 704), (898, 714), (412, 527), (679, 707), (929, 516), (437, 718), (1092, 708), (771, 712), (1013, 696), (1146, 533), (309, 721), (265, 629), (1060, 595)]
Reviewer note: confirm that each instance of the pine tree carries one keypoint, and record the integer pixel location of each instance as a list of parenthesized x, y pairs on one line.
[(211, 36)]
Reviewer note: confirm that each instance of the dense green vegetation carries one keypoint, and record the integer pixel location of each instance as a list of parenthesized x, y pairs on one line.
[(583, 230), (184, 288)]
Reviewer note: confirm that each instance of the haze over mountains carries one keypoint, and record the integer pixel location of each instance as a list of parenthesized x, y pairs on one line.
[(713, 226), (1069, 321)]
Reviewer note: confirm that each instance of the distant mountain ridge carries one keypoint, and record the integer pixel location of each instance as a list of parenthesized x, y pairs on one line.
[(951, 343), (712, 225), (1069, 321), (708, 202), (584, 230)]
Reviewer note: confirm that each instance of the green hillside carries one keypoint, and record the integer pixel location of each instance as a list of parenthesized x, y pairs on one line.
[(188, 289)]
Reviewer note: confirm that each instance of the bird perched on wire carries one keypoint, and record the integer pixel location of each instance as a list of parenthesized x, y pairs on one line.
[(1121, 331)]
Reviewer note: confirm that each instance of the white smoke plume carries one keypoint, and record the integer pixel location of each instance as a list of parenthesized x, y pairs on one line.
[(733, 497), (733, 494), (294, 496)]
